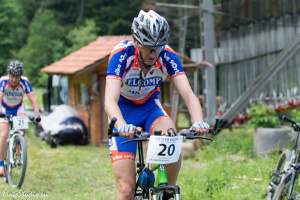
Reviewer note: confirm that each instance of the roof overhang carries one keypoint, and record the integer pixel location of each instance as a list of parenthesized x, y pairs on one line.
[(86, 58)]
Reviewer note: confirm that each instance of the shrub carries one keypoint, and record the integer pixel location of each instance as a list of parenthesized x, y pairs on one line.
[(295, 114), (263, 116)]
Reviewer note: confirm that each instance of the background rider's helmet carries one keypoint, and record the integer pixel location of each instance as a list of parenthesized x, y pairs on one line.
[(15, 68), (150, 29)]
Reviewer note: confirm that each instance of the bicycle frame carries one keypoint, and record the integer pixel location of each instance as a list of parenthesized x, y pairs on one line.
[(295, 166), (161, 178), (289, 176), (291, 170), (16, 153), (12, 136)]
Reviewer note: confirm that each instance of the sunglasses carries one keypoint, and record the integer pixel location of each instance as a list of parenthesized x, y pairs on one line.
[(157, 50)]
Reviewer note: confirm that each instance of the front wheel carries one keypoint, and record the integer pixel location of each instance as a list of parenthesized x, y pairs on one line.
[(277, 174), (16, 161), (281, 193)]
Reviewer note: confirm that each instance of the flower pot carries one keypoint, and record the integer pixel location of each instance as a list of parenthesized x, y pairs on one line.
[(267, 140)]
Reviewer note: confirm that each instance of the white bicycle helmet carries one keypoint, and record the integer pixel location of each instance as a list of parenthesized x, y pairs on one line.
[(150, 29), (15, 68)]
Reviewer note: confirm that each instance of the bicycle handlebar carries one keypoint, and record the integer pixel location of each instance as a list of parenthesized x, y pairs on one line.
[(295, 125), (31, 118), (187, 133), (190, 134), (111, 126)]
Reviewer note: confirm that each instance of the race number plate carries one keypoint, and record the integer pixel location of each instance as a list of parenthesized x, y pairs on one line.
[(164, 149), (20, 123)]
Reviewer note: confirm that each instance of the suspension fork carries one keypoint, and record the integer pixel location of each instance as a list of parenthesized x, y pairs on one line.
[(10, 141), (294, 178), (10, 147), (141, 163)]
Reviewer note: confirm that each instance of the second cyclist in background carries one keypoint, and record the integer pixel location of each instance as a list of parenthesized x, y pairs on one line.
[(13, 86)]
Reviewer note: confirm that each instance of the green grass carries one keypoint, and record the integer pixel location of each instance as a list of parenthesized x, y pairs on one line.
[(68, 172), (225, 169)]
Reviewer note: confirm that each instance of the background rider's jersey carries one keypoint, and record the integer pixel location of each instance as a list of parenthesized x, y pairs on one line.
[(137, 87), (13, 97)]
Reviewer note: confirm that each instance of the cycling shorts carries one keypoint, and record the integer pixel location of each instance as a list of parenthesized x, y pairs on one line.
[(19, 110), (145, 116)]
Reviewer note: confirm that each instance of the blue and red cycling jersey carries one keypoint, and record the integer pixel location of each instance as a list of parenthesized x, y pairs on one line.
[(137, 87), (13, 97)]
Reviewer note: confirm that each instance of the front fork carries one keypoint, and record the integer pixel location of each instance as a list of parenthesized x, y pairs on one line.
[(10, 142), (296, 168)]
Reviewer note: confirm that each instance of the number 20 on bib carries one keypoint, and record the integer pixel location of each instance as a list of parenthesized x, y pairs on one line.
[(164, 149)]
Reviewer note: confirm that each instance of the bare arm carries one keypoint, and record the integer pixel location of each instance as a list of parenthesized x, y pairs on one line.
[(183, 86), (32, 98), (1, 97), (112, 94)]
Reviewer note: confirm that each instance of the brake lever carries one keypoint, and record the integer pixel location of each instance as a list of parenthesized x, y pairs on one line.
[(198, 137), (139, 136), (191, 134)]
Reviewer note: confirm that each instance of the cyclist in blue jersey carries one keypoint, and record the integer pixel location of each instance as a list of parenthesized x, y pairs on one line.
[(135, 71), (13, 86)]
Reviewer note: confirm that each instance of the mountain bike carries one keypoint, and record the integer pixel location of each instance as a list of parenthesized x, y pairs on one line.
[(284, 179), (162, 150), (15, 162)]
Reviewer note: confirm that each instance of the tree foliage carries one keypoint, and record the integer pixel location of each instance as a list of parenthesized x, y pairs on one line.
[(81, 35), (41, 32), (12, 32), (44, 44)]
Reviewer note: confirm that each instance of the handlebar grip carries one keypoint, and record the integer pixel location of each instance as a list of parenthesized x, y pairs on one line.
[(285, 118), (38, 119), (111, 126), (295, 125), (35, 119), (211, 131)]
